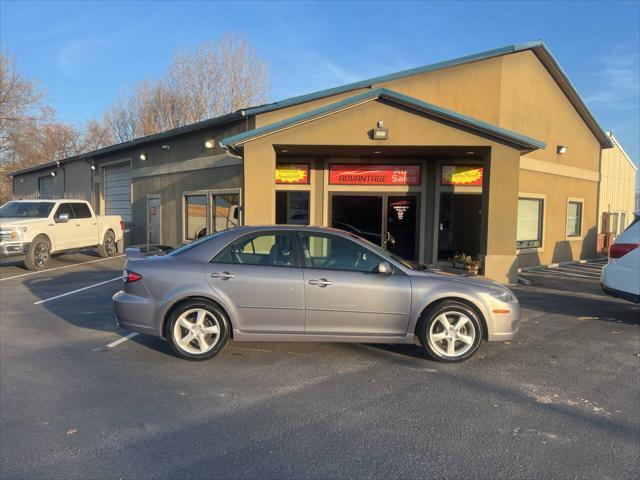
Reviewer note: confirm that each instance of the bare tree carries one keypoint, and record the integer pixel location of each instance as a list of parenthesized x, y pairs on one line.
[(214, 79), (20, 105)]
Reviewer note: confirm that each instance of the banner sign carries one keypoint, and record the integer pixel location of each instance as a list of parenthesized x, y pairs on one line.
[(357, 174), (466, 175), (292, 174)]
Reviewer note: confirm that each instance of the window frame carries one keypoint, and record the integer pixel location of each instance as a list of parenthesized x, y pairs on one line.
[(208, 193), (542, 227), (186, 239), (307, 265), (288, 192), (295, 242), (75, 212), (580, 234)]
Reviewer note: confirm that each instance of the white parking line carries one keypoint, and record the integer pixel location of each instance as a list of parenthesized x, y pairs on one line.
[(122, 340), (76, 291), (60, 268)]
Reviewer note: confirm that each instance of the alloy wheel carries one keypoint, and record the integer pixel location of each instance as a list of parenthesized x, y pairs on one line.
[(110, 245), (41, 255), (196, 331), (452, 334)]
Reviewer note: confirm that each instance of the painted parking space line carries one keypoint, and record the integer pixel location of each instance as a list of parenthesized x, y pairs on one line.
[(76, 291), (59, 268), (122, 340)]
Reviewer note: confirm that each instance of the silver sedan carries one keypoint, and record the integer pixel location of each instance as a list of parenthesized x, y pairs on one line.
[(290, 283)]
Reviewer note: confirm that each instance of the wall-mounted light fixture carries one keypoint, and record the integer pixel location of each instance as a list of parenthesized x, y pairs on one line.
[(560, 149), (380, 133), (22, 180), (210, 144), (166, 147), (53, 174), (142, 156), (470, 153), (58, 163), (93, 167)]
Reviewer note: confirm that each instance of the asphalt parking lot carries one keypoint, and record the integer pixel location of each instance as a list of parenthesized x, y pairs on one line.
[(78, 399)]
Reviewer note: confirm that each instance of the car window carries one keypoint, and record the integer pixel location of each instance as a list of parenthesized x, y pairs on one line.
[(337, 253), (64, 208), (272, 249), (81, 210)]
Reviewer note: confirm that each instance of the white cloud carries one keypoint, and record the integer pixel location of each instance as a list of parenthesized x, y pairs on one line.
[(619, 81)]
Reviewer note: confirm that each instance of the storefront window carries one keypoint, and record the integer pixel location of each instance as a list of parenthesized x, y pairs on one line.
[(195, 216), (574, 219), (292, 207), (529, 234), (226, 211)]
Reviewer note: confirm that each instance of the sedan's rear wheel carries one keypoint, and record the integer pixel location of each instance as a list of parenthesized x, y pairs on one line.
[(198, 330), (450, 332)]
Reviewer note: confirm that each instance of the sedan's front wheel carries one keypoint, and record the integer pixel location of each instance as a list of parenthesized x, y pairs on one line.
[(198, 330), (450, 332)]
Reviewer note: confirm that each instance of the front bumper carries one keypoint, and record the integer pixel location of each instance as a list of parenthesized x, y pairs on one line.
[(10, 249), (503, 326)]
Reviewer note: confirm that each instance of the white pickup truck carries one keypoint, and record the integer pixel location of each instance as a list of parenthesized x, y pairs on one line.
[(38, 228)]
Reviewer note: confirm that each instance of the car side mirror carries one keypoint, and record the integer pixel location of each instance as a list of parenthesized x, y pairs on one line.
[(385, 268), (62, 218)]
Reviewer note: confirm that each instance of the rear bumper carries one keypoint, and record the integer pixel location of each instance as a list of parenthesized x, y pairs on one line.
[(137, 314), (620, 294), (10, 249)]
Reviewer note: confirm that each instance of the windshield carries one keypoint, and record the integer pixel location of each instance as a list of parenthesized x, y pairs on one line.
[(26, 209)]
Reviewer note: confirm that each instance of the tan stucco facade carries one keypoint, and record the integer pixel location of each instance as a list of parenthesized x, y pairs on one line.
[(515, 92)]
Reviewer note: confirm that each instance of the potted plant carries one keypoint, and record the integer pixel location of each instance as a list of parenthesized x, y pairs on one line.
[(466, 262)]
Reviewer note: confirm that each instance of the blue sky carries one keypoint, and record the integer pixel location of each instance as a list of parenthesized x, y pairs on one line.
[(84, 53)]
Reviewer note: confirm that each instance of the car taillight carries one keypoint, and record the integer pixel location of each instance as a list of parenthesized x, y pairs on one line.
[(130, 277), (122, 225), (618, 250)]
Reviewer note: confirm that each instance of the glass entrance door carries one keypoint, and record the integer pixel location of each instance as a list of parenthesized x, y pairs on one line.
[(459, 227), (387, 220)]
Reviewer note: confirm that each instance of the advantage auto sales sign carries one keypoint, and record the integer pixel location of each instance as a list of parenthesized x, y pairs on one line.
[(358, 174)]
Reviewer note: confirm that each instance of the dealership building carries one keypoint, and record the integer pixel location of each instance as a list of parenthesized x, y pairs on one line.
[(494, 155)]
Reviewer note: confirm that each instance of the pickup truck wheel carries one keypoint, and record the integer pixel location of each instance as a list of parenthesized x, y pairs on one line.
[(39, 254), (108, 246)]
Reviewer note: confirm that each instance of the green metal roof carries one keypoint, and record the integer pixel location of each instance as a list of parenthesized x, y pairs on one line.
[(538, 47), (522, 141)]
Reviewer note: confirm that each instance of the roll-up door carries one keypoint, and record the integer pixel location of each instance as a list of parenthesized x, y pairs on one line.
[(117, 191)]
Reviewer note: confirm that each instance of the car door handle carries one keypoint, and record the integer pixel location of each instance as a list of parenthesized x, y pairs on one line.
[(222, 275), (321, 282)]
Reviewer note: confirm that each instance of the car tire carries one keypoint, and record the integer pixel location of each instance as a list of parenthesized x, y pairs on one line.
[(108, 247), (39, 253), (444, 338), (198, 330)]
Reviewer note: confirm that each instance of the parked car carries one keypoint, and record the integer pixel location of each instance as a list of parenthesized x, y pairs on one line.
[(291, 283), (620, 277), (38, 228)]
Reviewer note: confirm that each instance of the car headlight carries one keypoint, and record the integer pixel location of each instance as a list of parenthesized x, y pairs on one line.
[(504, 296), (12, 234)]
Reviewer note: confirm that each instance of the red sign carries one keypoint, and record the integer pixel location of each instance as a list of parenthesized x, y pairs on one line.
[(357, 174), (292, 174), (465, 175)]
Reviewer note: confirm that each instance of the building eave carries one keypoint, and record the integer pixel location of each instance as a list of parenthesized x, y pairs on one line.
[(538, 47), (524, 143), (211, 122)]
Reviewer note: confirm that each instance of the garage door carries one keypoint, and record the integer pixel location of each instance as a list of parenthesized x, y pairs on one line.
[(117, 191), (45, 187)]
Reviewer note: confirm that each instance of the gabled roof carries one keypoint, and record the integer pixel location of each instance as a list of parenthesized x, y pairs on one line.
[(624, 153), (523, 142), (538, 47)]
